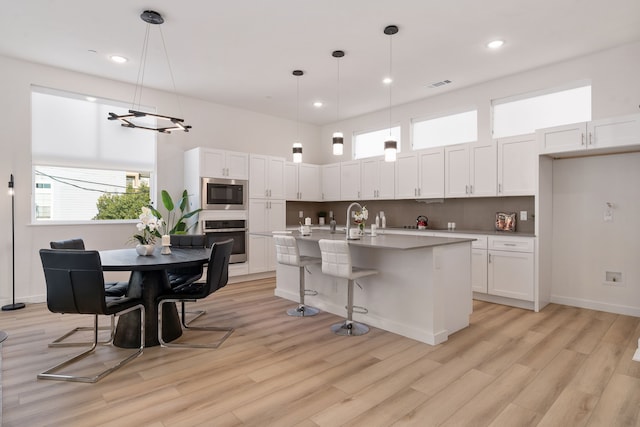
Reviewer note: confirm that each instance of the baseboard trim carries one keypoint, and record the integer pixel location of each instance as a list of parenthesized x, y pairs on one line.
[(596, 305)]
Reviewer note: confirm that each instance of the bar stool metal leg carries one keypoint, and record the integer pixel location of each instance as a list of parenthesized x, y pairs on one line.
[(302, 310), (349, 327)]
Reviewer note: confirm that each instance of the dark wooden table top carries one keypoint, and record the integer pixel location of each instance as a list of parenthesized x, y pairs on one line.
[(129, 260)]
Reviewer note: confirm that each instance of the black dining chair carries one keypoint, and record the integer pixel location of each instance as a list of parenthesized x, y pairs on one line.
[(75, 284), (217, 277), (184, 276), (111, 289)]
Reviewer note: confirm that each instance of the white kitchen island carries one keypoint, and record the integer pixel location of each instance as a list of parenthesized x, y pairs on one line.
[(422, 289)]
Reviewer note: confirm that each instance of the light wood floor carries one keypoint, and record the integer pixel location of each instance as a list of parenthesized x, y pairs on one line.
[(563, 366)]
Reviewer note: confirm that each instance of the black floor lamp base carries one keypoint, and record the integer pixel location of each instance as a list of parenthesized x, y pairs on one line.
[(14, 306)]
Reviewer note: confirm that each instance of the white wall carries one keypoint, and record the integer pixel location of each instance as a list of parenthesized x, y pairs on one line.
[(584, 245), (213, 126), (615, 91)]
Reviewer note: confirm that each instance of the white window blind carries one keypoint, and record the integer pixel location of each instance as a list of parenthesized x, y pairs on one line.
[(445, 130), (524, 114), (74, 132), (371, 144)]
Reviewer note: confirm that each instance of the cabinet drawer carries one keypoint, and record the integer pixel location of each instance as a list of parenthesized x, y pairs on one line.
[(480, 241), (512, 244)]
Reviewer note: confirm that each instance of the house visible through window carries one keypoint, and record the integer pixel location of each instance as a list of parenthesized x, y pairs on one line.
[(371, 144), (84, 166), (526, 113)]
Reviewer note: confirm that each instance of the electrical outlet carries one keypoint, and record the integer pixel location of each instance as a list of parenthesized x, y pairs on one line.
[(523, 215), (300, 214)]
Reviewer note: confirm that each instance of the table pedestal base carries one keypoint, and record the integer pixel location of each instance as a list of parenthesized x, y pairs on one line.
[(128, 330)]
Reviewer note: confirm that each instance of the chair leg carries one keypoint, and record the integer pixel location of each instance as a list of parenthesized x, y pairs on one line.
[(50, 374), (303, 310), (59, 342), (215, 344), (349, 327)]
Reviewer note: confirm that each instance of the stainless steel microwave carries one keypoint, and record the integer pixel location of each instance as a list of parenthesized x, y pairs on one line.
[(224, 194)]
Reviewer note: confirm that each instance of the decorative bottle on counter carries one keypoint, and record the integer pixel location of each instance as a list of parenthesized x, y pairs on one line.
[(377, 220), (384, 221), (332, 225)]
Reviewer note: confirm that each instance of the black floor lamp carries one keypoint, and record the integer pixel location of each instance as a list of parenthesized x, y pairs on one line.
[(14, 305)]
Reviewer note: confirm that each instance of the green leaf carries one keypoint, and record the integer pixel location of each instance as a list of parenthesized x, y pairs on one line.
[(167, 201)]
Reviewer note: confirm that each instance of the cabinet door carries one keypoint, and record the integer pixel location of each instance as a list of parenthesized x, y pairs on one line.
[(483, 163), (369, 178), (456, 170), (257, 255), (560, 139), (386, 179), (615, 132), (350, 180), (309, 182), (331, 182), (237, 165), (275, 177), (479, 270), (517, 162), (291, 181), (511, 274), (277, 215), (407, 176), (258, 215), (258, 165), (431, 173), (213, 163)]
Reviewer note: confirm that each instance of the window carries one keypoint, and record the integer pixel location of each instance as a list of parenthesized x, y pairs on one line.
[(84, 166), (371, 144), (445, 130), (524, 114)]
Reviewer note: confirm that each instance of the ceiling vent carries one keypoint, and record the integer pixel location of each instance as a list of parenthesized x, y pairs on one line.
[(439, 84)]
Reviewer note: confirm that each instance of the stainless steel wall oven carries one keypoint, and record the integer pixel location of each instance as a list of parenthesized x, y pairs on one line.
[(217, 230)]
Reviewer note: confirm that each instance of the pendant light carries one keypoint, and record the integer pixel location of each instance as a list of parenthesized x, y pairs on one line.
[(390, 145), (128, 120), (338, 138), (297, 146)]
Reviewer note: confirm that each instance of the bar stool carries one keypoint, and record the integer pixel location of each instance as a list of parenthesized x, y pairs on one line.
[(287, 253), (336, 261)]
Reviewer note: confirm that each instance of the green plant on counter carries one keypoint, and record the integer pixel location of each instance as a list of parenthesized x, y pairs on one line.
[(172, 224)]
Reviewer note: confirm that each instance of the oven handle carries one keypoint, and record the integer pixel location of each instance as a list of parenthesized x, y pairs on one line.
[(223, 230)]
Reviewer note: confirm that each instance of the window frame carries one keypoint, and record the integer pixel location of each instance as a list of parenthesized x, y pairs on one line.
[(355, 135), (454, 112), (73, 164)]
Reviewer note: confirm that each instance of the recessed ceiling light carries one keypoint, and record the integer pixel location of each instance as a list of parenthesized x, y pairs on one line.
[(91, 98), (317, 104), (118, 59), (495, 44), (387, 80)]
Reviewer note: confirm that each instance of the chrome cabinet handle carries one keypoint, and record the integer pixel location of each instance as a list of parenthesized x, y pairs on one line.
[(466, 189), (415, 191), (590, 138), (582, 143), (499, 188), (510, 244), (419, 191), (489, 257)]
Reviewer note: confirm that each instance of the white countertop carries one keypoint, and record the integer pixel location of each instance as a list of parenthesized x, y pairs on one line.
[(381, 241)]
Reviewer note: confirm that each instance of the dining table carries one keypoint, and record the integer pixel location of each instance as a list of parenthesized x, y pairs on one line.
[(148, 281)]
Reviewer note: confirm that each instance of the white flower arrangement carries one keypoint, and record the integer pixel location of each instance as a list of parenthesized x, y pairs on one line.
[(361, 217), (148, 227)]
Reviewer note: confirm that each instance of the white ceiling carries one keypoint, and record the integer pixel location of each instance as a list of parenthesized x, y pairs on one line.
[(241, 53)]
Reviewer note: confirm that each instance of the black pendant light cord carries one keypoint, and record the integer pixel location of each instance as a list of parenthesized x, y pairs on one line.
[(390, 77)]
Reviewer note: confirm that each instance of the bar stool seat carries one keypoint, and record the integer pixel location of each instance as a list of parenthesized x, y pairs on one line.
[(287, 253), (336, 262)]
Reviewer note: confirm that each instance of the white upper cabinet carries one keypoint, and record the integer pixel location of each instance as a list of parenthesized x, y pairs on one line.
[(377, 179), (517, 163), (266, 177), (330, 182), (431, 173), (470, 170), (598, 136), (420, 174), (350, 180), (223, 164), (303, 182)]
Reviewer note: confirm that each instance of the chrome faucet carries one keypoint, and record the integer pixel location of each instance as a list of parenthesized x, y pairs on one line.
[(349, 216)]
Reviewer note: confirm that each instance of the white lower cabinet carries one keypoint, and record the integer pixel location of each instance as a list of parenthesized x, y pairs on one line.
[(264, 215), (479, 270), (511, 267)]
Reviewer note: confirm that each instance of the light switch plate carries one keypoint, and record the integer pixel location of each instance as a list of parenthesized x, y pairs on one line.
[(523, 215)]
